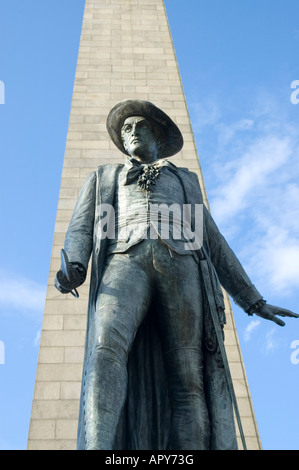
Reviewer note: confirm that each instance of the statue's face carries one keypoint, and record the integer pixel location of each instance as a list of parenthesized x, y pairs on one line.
[(139, 139)]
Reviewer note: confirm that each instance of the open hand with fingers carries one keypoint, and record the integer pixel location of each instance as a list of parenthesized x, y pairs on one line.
[(270, 312)]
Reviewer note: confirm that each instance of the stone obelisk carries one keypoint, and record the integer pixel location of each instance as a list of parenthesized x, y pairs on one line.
[(126, 51)]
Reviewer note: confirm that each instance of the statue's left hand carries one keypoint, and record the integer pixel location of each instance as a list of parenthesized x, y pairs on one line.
[(270, 312)]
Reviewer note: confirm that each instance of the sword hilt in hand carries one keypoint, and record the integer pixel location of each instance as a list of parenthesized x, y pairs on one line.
[(70, 276)]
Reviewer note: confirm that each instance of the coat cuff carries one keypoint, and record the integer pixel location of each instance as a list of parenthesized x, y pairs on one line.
[(247, 298)]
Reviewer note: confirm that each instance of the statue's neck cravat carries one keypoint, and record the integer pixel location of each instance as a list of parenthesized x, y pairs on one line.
[(145, 174)]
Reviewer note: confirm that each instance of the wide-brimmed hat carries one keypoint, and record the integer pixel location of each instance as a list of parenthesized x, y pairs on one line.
[(171, 135)]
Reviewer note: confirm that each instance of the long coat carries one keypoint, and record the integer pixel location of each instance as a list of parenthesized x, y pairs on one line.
[(145, 420)]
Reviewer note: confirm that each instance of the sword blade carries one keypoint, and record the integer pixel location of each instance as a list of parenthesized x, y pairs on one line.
[(65, 265), (65, 268)]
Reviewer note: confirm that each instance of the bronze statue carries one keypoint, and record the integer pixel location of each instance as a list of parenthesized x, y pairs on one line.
[(154, 374)]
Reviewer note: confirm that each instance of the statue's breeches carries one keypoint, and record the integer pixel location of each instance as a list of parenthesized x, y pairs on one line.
[(131, 281)]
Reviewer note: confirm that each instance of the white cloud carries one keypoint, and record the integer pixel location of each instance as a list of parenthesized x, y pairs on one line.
[(272, 254), (246, 177), (250, 328), (276, 261), (20, 294), (226, 133), (205, 113), (37, 338), (254, 190), (271, 343)]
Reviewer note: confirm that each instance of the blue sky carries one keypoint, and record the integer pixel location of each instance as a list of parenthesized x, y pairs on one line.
[(238, 61)]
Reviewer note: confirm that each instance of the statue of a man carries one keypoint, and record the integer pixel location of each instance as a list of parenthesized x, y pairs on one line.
[(153, 377)]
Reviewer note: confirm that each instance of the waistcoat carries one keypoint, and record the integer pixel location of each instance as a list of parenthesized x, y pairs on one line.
[(157, 212)]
